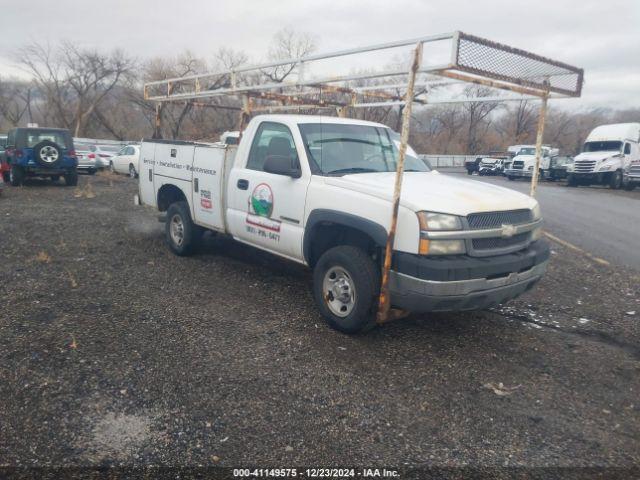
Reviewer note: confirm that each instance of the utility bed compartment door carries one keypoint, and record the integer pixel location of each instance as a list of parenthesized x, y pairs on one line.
[(147, 190), (208, 174)]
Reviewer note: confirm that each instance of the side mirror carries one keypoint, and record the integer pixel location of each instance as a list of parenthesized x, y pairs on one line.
[(281, 165)]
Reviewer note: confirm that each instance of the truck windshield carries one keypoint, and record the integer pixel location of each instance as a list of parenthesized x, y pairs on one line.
[(527, 151), (339, 149), (602, 147)]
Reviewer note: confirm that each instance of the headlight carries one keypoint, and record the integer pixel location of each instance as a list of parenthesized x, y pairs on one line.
[(441, 247), (430, 221), (531, 168), (605, 168), (537, 214), (439, 221)]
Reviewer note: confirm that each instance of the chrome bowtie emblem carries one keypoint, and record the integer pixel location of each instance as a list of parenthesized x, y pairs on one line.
[(508, 231)]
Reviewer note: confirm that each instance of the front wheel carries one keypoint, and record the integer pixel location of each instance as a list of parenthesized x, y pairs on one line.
[(6, 177), (346, 285), (181, 234), (615, 181), (132, 172), (511, 177), (16, 176), (571, 181)]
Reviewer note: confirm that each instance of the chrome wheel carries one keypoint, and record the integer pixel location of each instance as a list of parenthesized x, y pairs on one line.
[(132, 171), (339, 291), (49, 154), (177, 230)]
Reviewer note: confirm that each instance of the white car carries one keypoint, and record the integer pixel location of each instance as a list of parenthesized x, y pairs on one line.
[(126, 161)]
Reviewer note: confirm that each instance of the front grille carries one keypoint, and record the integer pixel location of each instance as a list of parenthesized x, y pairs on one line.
[(495, 243), (518, 164), (634, 170), (584, 166), (479, 221)]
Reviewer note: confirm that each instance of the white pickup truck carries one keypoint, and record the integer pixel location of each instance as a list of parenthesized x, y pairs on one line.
[(318, 191)]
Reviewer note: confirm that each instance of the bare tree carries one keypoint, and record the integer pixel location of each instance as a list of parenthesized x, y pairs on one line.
[(286, 44), (476, 115), (15, 101), (76, 81)]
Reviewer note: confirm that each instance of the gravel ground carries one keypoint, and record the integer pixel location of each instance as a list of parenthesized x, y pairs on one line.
[(114, 351)]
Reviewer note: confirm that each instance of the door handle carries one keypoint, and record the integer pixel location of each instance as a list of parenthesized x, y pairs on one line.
[(243, 184), (195, 185)]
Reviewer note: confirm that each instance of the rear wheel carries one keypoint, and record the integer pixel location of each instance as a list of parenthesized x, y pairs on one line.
[(346, 285), (6, 177), (71, 179), (181, 234), (55, 178), (132, 171), (615, 180), (16, 175), (511, 177), (571, 181)]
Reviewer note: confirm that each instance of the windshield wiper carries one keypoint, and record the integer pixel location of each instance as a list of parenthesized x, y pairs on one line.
[(352, 170)]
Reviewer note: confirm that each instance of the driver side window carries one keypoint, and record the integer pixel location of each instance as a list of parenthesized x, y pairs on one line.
[(271, 139), (627, 148)]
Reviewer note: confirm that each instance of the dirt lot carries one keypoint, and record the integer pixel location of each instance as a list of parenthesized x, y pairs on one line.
[(114, 351)]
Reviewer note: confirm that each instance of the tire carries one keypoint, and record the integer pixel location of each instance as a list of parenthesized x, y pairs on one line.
[(91, 171), (571, 181), (55, 178), (71, 179), (111, 169), (181, 234), (16, 176), (132, 171), (353, 268), (615, 180), (6, 177), (469, 172), (511, 177), (48, 153)]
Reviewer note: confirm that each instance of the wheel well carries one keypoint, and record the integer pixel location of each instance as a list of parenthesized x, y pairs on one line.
[(327, 235), (169, 194)]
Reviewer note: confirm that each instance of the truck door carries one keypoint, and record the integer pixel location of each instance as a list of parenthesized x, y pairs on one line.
[(266, 209), (208, 171)]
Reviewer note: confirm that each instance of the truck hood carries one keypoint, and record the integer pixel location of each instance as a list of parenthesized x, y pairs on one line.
[(597, 156), (434, 192)]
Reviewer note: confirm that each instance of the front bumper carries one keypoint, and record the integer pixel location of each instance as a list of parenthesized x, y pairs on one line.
[(516, 172), (456, 283)]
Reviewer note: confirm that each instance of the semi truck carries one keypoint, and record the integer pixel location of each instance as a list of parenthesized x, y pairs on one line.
[(319, 190), (524, 161), (609, 157)]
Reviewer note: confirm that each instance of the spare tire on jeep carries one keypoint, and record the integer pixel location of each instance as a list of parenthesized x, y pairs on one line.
[(47, 153)]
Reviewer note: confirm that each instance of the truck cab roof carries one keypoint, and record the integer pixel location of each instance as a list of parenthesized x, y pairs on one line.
[(616, 131), (298, 119)]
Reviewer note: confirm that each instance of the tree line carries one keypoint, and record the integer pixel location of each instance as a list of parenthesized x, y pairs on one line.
[(99, 95)]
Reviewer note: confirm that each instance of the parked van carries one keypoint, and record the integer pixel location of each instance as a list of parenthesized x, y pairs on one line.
[(606, 156)]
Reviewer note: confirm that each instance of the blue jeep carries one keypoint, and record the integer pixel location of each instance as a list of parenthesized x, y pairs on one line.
[(41, 152)]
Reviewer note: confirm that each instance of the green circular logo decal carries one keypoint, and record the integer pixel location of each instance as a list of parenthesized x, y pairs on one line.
[(262, 200)]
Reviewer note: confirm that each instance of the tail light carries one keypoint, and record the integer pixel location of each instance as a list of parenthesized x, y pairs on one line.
[(72, 153), (18, 153), (103, 155), (91, 155)]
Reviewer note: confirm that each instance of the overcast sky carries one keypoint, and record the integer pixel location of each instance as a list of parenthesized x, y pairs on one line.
[(603, 37)]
